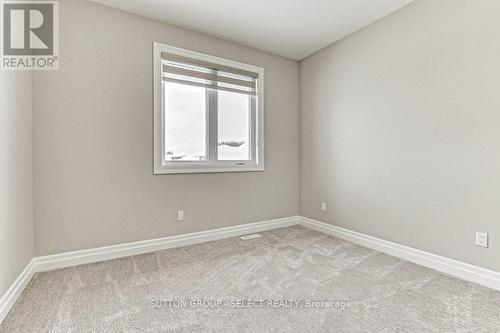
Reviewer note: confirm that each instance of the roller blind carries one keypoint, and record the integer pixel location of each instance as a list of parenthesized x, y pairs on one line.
[(195, 72)]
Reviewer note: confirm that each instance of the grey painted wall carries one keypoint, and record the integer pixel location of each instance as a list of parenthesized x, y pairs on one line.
[(400, 129), (16, 176), (93, 139)]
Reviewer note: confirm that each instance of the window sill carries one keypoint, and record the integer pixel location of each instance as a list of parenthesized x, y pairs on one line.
[(166, 171)]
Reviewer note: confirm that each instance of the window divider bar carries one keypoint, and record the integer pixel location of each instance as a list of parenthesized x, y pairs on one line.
[(213, 124)]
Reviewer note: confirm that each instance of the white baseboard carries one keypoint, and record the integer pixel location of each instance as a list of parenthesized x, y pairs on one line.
[(67, 259), (453, 267), (10, 297)]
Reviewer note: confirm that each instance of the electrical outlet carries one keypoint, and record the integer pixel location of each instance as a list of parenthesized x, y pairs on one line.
[(323, 205), (180, 215), (482, 239)]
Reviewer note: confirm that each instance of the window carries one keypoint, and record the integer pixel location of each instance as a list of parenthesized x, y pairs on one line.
[(208, 113)]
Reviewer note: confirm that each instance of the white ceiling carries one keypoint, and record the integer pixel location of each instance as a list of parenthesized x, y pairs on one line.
[(290, 28)]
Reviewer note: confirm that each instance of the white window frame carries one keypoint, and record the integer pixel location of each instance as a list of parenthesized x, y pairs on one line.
[(256, 163)]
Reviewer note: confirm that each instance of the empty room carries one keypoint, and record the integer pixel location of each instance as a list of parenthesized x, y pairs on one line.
[(249, 166)]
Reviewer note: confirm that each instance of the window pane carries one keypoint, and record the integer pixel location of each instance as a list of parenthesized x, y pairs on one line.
[(233, 126), (185, 122)]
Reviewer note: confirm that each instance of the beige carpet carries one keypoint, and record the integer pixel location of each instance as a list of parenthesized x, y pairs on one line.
[(354, 289)]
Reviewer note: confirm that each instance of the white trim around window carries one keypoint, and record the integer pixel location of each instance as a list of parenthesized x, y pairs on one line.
[(211, 163)]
